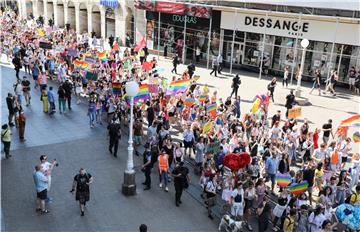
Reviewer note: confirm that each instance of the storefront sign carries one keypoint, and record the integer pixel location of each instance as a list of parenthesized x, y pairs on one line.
[(174, 8), (181, 18), (293, 27)]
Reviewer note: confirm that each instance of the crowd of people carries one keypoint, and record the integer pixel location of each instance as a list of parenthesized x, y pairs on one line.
[(280, 145)]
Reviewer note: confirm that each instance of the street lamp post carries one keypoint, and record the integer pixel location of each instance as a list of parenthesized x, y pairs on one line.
[(129, 185), (304, 44)]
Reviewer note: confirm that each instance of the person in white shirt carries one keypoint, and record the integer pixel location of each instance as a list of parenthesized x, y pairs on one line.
[(237, 202), (220, 61), (317, 218), (47, 168)]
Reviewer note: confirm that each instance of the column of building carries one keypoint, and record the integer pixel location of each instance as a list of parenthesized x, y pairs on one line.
[(77, 17), (35, 8), (120, 22), (103, 21), (89, 18), (56, 22)]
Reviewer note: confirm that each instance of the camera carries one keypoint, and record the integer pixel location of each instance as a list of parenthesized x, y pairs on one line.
[(57, 164)]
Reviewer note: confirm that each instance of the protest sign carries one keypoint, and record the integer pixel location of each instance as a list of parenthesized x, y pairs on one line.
[(294, 112)]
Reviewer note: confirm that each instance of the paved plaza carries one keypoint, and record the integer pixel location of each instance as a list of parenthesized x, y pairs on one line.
[(69, 139)]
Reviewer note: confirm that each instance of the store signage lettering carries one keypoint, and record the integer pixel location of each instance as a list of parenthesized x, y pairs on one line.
[(181, 18), (292, 27)]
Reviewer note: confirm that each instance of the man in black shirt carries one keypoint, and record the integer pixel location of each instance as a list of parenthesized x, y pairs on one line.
[(68, 87), (327, 130), (181, 181), (290, 101), (10, 101), (17, 63), (26, 90), (191, 69), (235, 85), (276, 118), (175, 63), (150, 114), (115, 135), (146, 167), (308, 175)]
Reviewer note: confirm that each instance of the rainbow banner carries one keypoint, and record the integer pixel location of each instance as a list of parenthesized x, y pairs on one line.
[(178, 86), (189, 102), (353, 121), (211, 109), (356, 137), (102, 57), (298, 188), (116, 87), (283, 180), (143, 94), (80, 64), (202, 98)]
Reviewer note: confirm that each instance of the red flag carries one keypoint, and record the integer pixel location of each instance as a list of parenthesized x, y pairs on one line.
[(142, 44), (147, 66)]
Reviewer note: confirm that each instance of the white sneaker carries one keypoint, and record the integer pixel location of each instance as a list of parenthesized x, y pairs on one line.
[(166, 189), (160, 185)]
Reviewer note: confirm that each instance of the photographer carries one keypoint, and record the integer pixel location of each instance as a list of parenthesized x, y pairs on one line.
[(82, 183), (47, 168)]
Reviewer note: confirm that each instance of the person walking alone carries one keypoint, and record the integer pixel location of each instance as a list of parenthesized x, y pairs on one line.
[(290, 102), (6, 139), (61, 99), (146, 167), (68, 87), (271, 88), (175, 64), (21, 122), (317, 81), (114, 135), (181, 181), (236, 82), (220, 61), (41, 189), (163, 169), (286, 76), (215, 65), (81, 184)]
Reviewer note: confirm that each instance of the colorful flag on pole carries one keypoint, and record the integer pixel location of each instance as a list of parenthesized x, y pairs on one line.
[(189, 102), (202, 98), (102, 57), (356, 137), (178, 86), (143, 94), (298, 188), (341, 131), (283, 180), (353, 121), (211, 109), (116, 87), (80, 64)]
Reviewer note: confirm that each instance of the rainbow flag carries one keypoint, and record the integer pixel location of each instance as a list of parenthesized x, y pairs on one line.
[(202, 98), (211, 109), (143, 94), (283, 180), (178, 86), (356, 137), (353, 121), (189, 102), (116, 87), (80, 64), (102, 57), (298, 188)]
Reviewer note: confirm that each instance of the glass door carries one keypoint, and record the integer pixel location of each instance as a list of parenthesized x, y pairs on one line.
[(237, 56)]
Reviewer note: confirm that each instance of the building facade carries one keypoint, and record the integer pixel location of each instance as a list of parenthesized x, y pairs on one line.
[(245, 35)]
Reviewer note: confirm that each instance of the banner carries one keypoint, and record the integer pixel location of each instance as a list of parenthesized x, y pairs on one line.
[(90, 59), (127, 64), (91, 76), (294, 112), (153, 85), (72, 52), (145, 5), (45, 45)]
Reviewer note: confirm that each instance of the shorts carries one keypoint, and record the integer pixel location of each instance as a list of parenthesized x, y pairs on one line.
[(188, 144), (310, 190), (351, 81), (137, 139), (42, 195)]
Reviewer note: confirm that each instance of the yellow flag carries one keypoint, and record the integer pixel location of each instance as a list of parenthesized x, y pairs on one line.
[(40, 32)]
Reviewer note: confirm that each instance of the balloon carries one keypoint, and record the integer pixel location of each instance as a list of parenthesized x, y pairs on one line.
[(349, 215)]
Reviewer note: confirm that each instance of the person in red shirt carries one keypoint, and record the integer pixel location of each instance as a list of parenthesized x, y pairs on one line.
[(316, 138)]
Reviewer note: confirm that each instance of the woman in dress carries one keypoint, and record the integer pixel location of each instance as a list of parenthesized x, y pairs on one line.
[(82, 183)]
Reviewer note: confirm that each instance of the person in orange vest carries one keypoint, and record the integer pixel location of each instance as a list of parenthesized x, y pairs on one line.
[(163, 169), (42, 80)]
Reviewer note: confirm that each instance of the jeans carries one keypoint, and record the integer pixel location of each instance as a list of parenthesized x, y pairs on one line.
[(292, 154), (62, 104), (340, 196), (52, 107), (98, 115), (92, 117), (163, 176)]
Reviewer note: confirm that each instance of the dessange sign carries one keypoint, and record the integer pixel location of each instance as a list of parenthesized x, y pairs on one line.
[(347, 33)]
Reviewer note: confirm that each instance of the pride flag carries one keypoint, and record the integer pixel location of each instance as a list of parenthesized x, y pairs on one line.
[(189, 102), (202, 98), (298, 188), (283, 180), (80, 64), (211, 109), (102, 57), (178, 86), (116, 87), (353, 121), (356, 137), (143, 94)]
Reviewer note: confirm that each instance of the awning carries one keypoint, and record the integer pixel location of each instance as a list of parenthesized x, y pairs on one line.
[(110, 3)]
